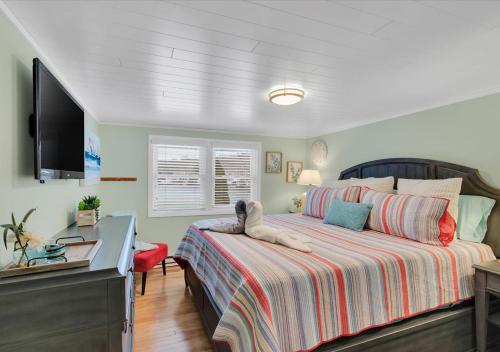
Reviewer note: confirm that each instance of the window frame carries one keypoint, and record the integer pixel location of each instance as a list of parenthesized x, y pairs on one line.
[(209, 180)]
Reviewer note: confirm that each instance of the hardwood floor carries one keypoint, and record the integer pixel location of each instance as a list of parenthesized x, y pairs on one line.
[(166, 318)]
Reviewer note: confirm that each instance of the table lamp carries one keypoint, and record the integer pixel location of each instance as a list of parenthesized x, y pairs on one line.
[(309, 178)]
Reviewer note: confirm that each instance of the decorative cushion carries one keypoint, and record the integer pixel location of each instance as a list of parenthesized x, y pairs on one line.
[(446, 188), (319, 200), (336, 183), (347, 214), (145, 261), (422, 219), (473, 213), (380, 184)]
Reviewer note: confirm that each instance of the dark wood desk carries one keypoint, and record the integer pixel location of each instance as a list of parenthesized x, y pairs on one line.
[(82, 309)]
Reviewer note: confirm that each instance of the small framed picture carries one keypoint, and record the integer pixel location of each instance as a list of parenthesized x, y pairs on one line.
[(273, 162), (293, 170)]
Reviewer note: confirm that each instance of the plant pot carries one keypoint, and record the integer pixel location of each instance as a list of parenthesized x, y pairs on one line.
[(86, 217)]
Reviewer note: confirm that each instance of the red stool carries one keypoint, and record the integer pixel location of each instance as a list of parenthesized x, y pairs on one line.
[(145, 261)]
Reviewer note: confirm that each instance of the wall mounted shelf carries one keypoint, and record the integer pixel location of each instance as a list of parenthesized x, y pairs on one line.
[(119, 179)]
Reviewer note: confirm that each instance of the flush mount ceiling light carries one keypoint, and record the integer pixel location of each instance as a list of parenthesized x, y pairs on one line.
[(286, 96)]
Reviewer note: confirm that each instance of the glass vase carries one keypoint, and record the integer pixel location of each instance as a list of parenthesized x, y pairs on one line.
[(20, 255)]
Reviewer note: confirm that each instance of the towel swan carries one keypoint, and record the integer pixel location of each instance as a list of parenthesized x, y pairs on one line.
[(249, 221), (255, 229)]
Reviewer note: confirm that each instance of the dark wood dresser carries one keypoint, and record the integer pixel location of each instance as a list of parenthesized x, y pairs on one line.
[(84, 309)]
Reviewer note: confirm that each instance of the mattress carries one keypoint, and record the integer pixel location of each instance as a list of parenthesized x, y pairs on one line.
[(274, 298)]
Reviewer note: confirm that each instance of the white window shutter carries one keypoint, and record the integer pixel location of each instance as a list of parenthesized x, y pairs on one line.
[(178, 177), (195, 176), (234, 175)]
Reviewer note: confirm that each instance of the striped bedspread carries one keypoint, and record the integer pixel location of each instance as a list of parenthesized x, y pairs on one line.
[(277, 299)]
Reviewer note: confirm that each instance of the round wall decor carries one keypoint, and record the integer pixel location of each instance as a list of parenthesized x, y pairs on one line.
[(319, 152)]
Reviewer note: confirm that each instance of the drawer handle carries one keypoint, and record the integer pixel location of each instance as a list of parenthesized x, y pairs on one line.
[(125, 326)]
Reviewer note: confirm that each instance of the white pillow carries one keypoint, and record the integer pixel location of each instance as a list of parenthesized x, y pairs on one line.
[(336, 183), (448, 188), (379, 184)]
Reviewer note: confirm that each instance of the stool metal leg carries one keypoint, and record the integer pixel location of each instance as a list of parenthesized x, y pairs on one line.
[(163, 264), (144, 277)]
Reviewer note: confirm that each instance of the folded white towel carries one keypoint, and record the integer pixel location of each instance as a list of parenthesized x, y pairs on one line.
[(144, 246), (255, 229)]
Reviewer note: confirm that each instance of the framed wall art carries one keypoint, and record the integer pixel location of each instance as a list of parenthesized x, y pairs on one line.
[(273, 162), (293, 170)]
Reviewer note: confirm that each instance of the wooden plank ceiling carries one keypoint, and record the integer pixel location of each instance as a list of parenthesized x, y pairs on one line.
[(210, 64)]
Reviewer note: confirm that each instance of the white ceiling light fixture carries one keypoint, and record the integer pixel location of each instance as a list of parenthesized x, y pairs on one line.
[(286, 96)]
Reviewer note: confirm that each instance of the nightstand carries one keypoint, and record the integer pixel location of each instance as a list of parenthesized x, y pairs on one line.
[(487, 283)]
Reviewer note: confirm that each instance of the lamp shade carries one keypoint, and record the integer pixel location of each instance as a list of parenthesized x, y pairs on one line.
[(309, 177)]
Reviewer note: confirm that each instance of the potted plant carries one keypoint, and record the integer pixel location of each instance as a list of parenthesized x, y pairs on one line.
[(88, 210), (22, 238)]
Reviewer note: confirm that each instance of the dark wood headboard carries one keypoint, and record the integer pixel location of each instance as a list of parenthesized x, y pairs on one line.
[(472, 183)]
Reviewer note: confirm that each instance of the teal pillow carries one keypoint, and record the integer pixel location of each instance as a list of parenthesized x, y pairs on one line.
[(473, 213), (347, 214)]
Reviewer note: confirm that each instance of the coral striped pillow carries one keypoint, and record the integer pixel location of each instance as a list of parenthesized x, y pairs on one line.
[(448, 188), (319, 200), (422, 219)]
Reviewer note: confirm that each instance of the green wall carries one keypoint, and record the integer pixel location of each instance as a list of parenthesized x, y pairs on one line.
[(125, 153), (19, 191), (465, 133)]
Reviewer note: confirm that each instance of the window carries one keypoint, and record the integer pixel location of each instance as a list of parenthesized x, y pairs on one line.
[(190, 176)]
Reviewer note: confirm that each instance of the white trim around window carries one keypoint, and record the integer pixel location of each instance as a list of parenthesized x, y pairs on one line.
[(198, 176)]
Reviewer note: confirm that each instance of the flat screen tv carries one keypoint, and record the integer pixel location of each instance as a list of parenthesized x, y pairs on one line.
[(57, 128)]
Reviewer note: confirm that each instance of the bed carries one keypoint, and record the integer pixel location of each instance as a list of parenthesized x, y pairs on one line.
[(354, 292)]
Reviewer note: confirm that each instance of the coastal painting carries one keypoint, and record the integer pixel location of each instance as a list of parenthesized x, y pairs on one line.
[(92, 159)]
